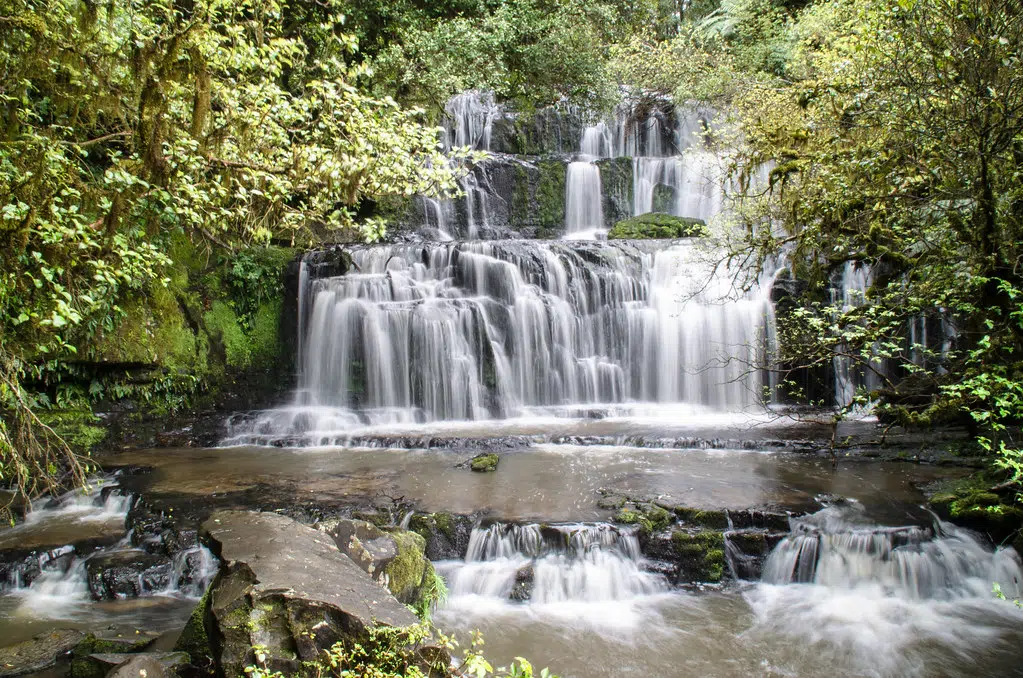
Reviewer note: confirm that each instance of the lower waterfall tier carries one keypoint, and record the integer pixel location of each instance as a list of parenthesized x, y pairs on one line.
[(479, 330)]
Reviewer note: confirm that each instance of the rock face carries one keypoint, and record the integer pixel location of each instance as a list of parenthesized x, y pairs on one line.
[(127, 574), (446, 534), (287, 587), (394, 559), (41, 652)]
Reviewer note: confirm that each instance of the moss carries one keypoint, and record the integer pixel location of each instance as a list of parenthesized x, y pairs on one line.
[(222, 324), (627, 516), (405, 574), (715, 520), (655, 518), (484, 463), (550, 197), (519, 208), (194, 639), (378, 518), (444, 524), (701, 555), (264, 342), (657, 225)]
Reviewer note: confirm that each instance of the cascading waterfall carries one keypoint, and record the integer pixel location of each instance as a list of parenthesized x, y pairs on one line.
[(584, 213), (550, 564), (498, 329), (830, 548)]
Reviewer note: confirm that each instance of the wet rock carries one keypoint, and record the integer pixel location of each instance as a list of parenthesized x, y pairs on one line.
[(367, 545), (148, 664), (523, 588), (700, 556), (484, 463), (756, 518), (747, 551), (610, 501), (710, 519), (649, 517), (287, 587), (446, 534), (88, 656), (38, 653), (127, 574), (23, 569)]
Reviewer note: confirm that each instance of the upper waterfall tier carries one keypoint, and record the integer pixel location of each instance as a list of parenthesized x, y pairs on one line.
[(477, 330)]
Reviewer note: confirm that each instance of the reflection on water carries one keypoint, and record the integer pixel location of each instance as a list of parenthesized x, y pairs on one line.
[(544, 482)]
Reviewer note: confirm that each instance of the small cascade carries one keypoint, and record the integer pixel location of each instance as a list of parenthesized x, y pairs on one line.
[(584, 214), (551, 564), (830, 548)]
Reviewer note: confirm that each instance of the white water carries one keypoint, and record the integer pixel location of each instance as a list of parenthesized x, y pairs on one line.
[(584, 215), (472, 331), (591, 573)]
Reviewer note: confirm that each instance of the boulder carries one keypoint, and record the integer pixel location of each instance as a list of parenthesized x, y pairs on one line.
[(484, 463), (446, 534), (148, 664), (39, 652), (127, 574), (288, 588)]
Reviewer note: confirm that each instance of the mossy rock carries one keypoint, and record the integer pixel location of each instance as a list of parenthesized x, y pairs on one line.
[(84, 666), (77, 427), (628, 516), (700, 555), (195, 640), (657, 225), (973, 503), (407, 572), (715, 520), (484, 463)]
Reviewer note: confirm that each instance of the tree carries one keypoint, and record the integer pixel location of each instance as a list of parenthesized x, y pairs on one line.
[(132, 121)]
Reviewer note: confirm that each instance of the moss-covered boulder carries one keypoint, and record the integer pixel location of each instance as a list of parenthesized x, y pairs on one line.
[(650, 517), (981, 502), (484, 463), (711, 519), (446, 534), (700, 556), (657, 225)]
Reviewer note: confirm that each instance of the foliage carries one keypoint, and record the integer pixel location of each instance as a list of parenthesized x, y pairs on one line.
[(536, 52), (396, 653), (892, 132), (132, 124), (657, 225)]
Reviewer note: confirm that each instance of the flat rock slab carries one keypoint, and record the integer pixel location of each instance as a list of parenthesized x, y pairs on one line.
[(286, 586), (38, 653), (298, 561)]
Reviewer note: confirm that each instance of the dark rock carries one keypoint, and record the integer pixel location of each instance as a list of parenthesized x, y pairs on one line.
[(153, 664), (446, 534), (127, 574), (700, 556), (38, 653), (287, 587), (710, 519), (746, 552), (523, 589), (756, 518)]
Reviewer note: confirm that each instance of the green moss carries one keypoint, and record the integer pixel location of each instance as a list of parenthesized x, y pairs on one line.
[(484, 463), (627, 516), (264, 340), (657, 225), (655, 518), (700, 554), (222, 324), (550, 197), (194, 639), (405, 574), (715, 520), (519, 208), (444, 524)]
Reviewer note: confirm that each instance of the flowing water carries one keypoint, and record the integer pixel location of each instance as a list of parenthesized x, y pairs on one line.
[(595, 368)]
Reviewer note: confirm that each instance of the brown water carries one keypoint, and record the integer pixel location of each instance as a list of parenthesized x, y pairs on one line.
[(545, 482)]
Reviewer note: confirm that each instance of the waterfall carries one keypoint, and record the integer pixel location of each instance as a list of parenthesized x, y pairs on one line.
[(551, 564), (477, 330), (584, 215), (940, 562)]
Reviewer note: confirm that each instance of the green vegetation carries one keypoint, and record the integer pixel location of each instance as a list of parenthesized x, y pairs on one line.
[(143, 141), (657, 225), (411, 652), (893, 131)]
